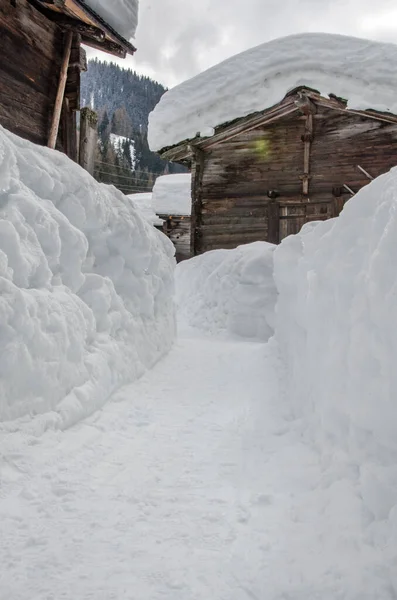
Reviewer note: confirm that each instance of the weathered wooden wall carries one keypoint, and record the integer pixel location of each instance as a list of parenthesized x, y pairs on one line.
[(31, 48), (177, 228), (232, 205), (31, 51)]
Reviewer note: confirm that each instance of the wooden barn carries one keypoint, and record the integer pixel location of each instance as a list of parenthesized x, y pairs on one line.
[(171, 201), (263, 175), (40, 65)]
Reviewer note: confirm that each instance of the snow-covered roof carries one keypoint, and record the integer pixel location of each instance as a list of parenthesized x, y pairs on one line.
[(143, 202), (362, 71), (172, 195), (122, 15)]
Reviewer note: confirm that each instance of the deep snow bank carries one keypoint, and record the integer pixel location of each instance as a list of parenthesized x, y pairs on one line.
[(337, 332), (362, 71), (229, 292), (86, 288)]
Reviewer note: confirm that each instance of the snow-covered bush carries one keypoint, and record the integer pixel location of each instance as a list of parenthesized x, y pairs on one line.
[(336, 326), (229, 291), (86, 288)]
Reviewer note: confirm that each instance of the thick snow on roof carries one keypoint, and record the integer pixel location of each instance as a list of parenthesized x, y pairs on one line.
[(172, 195), (86, 288), (143, 203), (122, 15), (361, 71)]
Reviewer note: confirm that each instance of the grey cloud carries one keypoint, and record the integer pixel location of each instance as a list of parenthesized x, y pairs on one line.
[(176, 39)]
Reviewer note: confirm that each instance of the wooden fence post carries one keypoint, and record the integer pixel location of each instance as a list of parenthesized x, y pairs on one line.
[(52, 138), (273, 235), (88, 139)]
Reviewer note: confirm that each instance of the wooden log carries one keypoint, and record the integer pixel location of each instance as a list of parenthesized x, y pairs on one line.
[(88, 139), (273, 234), (365, 172), (307, 140), (61, 92), (197, 179)]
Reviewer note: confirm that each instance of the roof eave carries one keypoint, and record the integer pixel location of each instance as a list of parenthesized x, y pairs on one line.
[(184, 150), (67, 12)]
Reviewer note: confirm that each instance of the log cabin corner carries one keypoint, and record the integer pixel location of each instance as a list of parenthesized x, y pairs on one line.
[(42, 58)]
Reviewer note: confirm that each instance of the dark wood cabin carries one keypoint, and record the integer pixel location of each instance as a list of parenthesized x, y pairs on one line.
[(177, 228), (40, 63), (263, 176)]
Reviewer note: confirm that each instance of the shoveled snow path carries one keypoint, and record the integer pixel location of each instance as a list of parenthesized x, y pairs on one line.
[(191, 484)]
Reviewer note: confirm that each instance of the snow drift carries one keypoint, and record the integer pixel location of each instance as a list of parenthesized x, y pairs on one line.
[(143, 203), (361, 71), (337, 332), (86, 288), (172, 194), (122, 15), (229, 292)]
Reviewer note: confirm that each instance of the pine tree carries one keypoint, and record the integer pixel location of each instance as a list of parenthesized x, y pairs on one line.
[(123, 100)]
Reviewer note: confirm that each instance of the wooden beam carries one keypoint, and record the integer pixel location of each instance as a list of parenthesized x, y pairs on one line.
[(304, 104), (349, 189), (52, 139), (76, 26), (365, 172), (307, 139), (197, 179), (273, 233), (106, 46)]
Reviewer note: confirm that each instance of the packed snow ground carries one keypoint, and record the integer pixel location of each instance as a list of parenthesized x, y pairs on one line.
[(362, 71)]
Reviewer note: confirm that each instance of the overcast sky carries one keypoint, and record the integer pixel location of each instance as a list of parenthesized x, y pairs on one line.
[(177, 39)]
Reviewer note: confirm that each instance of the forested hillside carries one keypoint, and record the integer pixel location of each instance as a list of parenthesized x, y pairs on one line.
[(123, 100)]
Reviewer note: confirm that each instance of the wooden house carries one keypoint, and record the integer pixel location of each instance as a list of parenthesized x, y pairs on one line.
[(280, 135), (171, 201), (40, 63), (263, 176)]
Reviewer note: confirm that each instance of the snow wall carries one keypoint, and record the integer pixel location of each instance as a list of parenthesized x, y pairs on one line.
[(86, 288), (229, 292), (336, 327)]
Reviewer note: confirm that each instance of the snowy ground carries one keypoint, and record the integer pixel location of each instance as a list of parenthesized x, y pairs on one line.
[(153, 497), (234, 469), (193, 483)]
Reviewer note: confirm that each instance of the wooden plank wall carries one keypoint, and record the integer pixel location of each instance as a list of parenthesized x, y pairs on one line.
[(237, 176), (177, 229), (234, 206), (30, 51)]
